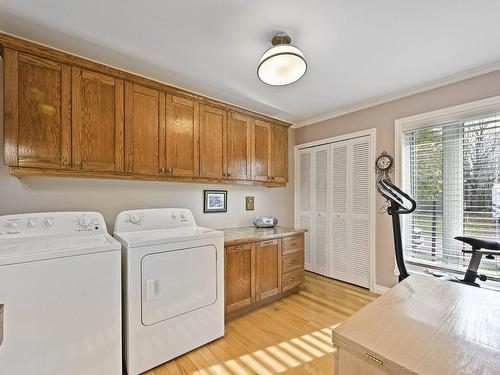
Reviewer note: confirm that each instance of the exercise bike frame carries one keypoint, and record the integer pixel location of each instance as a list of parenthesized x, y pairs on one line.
[(398, 207), (392, 193)]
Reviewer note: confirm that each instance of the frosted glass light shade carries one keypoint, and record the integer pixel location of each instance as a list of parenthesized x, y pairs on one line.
[(281, 65)]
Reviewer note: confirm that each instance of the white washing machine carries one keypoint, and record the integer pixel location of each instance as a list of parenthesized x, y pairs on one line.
[(173, 285), (60, 300)]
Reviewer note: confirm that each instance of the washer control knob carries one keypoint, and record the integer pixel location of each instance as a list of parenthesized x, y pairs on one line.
[(135, 219), (48, 222), (84, 221), (12, 225), (31, 224)]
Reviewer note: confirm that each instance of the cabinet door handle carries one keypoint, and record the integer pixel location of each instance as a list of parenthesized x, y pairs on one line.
[(65, 162), (223, 174), (77, 163), (229, 175), (162, 170)]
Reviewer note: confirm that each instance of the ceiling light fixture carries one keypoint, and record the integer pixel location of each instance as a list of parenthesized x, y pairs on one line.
[(282, 64)]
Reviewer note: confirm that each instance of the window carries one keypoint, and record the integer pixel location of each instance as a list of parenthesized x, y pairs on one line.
[(452, 170)]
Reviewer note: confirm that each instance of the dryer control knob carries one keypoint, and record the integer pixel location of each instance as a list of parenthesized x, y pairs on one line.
[(48, 222), (31, 223), (135, 219)]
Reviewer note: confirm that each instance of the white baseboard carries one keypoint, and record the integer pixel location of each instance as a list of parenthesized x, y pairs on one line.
[(379, 289)]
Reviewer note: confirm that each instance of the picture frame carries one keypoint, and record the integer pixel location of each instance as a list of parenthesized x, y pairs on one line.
[(214, 201)]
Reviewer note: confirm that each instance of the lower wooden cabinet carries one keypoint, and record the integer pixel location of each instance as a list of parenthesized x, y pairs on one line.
[(239, 272), (260, 272), (268, 269)]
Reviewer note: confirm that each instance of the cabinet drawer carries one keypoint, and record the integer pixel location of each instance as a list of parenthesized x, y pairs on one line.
[(292, 279), (292, 261), (244, 247), (292, 244)]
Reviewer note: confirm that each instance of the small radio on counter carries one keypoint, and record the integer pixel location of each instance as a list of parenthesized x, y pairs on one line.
[(265, 221)]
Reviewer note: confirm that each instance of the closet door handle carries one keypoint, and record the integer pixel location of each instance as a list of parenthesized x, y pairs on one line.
[(1, 323)]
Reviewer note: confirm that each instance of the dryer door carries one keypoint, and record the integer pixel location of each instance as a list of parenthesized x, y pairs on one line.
[(177, 282)]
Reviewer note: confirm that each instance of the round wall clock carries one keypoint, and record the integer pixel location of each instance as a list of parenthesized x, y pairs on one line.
[(383, 165), (384, 162)]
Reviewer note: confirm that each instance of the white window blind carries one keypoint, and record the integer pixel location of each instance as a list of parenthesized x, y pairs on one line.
[(452, 170)]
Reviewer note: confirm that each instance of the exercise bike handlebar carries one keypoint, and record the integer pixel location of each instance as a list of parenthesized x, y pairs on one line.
[(394, 194)]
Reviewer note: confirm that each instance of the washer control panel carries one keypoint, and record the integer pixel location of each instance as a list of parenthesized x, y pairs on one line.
[(151, 219), (51, 223)]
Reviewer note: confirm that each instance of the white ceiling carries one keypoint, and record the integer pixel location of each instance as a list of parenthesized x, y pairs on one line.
[(358, 51)]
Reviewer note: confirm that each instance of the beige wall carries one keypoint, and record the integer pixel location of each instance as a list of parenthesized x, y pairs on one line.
[(382, 118), (34, 194)]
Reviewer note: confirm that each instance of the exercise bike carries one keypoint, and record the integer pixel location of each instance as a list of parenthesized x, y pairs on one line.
[(402, 204)]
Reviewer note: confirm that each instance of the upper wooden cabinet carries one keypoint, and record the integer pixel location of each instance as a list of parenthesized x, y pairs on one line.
[(97, 110), (261, 151), (213, 140), (269, 152), (145, 117), (239, 131), (37, 111), (279, 154), (68, 116), (182, 137)]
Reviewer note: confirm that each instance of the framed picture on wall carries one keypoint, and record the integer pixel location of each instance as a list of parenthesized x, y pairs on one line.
[(214, 201)]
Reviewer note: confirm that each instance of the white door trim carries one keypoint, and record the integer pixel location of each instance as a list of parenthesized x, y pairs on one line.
[(372, 133)]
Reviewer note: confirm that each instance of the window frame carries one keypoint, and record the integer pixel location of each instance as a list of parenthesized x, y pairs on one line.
[(438, 117)]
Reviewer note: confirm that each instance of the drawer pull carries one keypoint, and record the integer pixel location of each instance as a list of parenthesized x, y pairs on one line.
[(375, 359), (292, 278), (267, 243)]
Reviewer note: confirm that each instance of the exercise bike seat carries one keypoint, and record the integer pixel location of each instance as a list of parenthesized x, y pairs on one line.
[(477, 244)]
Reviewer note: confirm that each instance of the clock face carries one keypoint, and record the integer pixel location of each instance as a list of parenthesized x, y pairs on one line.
[(384, 162)]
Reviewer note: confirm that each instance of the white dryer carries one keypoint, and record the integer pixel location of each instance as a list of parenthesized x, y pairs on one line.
[(60, 300), (173, 285)]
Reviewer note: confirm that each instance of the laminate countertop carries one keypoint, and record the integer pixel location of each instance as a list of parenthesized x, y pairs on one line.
[(241, 235), (429, 326)]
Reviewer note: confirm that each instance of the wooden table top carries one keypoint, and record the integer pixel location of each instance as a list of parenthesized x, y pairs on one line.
[(241, 235), (429, 326)]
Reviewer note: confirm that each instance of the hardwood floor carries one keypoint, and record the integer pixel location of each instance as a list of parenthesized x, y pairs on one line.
[(290, 336)]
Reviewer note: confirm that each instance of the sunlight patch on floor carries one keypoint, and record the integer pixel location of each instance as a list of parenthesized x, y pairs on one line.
[(277, 358)]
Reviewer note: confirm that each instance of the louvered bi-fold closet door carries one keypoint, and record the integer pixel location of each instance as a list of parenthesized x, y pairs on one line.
[(305, 203), (360, 212), (350, 208), (339, 175), (321, 227)]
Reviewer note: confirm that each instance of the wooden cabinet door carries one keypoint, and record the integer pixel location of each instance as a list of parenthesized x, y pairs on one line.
[(267, 269), (182, 137), (261, 151), (279, 154), (239, 276), (37, 111), (97, 122), (238, 147), (144, 130), (213, 136)]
